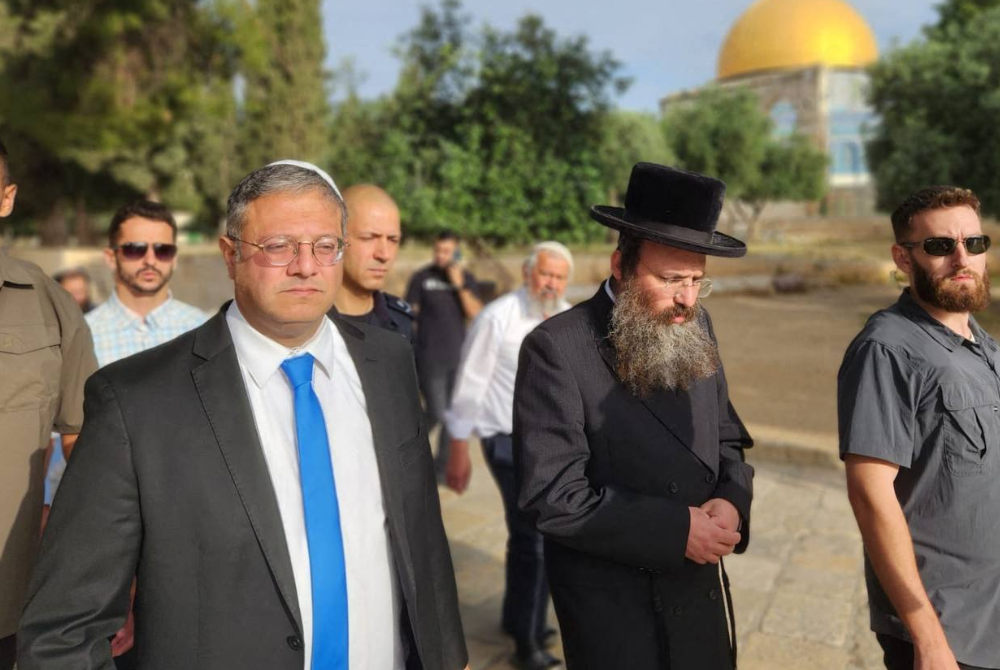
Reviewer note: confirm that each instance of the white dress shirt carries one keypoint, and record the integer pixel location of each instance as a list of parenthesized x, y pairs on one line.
[(483, 400), (372, 596)]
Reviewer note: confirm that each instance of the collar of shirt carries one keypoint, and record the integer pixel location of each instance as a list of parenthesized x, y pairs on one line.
[(126, 318), (941, 334), (380, 308), (609, 290), (263, 357), (12, 272)]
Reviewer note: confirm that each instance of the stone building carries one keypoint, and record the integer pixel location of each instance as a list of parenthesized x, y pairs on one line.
[(807, 60)]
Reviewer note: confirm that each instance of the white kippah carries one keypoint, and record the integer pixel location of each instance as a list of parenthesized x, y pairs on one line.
[(309, 166)]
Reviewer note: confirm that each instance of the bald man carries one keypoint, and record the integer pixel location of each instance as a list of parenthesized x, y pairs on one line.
[(373, 241)]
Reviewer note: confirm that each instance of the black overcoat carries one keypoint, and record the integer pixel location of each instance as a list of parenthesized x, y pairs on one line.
[(609, 478)]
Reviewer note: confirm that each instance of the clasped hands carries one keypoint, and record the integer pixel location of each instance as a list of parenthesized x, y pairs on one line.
[(713, 531)]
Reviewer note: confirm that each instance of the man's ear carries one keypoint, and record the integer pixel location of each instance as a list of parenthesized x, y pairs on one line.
[(228, 249), (904, 261), (616, 265), (109, 258), (7, 196)]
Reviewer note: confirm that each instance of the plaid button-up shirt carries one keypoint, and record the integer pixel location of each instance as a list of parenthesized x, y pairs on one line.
[(119, 332)]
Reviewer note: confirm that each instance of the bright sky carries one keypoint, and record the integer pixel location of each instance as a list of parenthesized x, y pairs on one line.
[(664, 45)]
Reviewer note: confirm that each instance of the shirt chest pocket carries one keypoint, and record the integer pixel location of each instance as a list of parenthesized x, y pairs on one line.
[(30, 363), (972, 429)]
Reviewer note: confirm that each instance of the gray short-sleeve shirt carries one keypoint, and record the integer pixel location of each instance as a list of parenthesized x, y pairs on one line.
[(914, 393)]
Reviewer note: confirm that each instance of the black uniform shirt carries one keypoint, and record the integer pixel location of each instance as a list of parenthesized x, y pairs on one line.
[(441, 328), (389, 312)]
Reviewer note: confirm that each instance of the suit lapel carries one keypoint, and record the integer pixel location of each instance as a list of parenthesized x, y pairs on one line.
[(220, 386), (673, 409)]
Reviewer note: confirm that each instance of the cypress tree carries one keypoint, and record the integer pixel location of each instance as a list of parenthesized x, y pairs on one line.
[(285, 95)]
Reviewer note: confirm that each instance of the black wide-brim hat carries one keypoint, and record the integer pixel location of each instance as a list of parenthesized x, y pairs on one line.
[(673, 207)]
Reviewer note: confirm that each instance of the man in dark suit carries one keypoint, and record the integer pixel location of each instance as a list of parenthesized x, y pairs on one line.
[(238, 471), (628, 451)]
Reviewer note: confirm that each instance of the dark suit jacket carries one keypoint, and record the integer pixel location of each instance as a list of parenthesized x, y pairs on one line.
[(168, 482), (609, 478)]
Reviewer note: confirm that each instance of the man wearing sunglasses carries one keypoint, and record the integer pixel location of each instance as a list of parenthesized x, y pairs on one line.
[(919, 414), (141, 312)]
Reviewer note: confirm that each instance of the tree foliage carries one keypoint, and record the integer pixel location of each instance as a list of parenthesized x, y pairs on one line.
[(494, 133), (939, 100), (628, 138), (121, 96), (505, 135), (724, 133), (958, 14), (285, 111)]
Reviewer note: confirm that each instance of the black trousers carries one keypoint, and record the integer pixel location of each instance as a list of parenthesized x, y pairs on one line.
[(8, 652), (126, 661), (526, 599), (898, 654)]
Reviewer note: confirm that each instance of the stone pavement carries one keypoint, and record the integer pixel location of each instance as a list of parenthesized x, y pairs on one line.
[(798, 592)]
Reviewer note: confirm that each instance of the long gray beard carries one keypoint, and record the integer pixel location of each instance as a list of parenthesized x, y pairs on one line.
[(543, 306), (653, 353)]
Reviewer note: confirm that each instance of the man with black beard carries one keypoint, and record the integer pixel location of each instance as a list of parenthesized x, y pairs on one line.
[(628, 453), (919, 411), (141, 312)]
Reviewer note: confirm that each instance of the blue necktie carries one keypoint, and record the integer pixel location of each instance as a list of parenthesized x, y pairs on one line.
[(319, 499)]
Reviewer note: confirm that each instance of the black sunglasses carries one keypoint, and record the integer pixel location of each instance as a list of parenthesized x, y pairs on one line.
[(945, 246), (133, 251)]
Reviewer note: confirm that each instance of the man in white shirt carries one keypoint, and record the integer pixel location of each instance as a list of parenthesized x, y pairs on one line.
[(237, 471), (483, 404)]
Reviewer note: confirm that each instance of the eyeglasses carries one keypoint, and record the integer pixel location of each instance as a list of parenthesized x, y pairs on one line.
[(134, 251), (675, 286), (281, 250), (945, 246)]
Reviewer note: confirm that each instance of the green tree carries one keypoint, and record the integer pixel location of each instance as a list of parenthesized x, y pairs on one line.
[(628, 138), (119, 94), (958, 13), (494, 133), (555, 89), (437, 71), (285, 109), (938, 101), (724, 133)]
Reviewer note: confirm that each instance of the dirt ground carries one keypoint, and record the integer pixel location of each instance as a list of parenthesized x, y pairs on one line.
[(782, 352)]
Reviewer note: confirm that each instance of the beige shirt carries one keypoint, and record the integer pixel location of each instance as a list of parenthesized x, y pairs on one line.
[(46, 355)]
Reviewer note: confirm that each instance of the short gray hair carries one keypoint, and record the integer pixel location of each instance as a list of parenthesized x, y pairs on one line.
[(549, 247), (278, 178)]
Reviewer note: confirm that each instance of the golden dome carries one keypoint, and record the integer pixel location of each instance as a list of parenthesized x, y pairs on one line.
[(779, 34)]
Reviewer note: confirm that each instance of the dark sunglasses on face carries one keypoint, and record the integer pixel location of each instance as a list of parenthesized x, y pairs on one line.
[(134, 251), (945, 246)]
